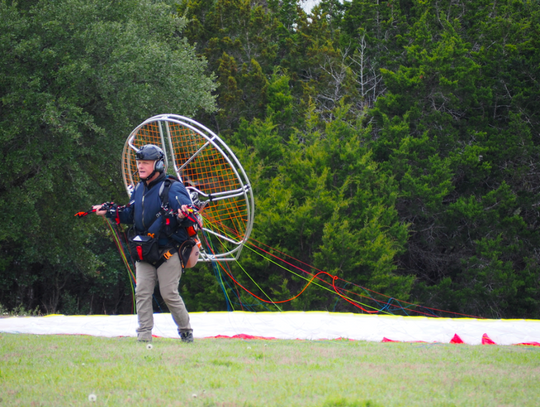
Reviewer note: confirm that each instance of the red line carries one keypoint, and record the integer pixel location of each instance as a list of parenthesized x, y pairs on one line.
[(336, 289)]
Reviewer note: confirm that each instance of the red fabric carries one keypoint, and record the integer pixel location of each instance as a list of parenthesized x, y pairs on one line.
[(391, 340), (487, 341), (456, 339), (384, 339), (529, 343), (242, 336)]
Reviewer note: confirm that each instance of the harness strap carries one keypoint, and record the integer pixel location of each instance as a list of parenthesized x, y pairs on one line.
[(164, 211)]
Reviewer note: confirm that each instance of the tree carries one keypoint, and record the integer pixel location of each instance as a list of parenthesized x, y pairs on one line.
[(237, 37), (451, 129), (75, 78), (321, 199)]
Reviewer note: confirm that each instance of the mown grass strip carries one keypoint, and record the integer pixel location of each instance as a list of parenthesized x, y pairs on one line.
[(49, 370)]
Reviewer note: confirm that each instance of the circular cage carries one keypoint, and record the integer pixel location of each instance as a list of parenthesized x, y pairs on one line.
[(211, 173)]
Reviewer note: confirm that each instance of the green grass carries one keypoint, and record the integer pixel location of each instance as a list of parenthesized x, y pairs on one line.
[(53, 370)]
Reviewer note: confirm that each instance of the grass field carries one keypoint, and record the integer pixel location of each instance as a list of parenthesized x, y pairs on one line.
[(51, 370)]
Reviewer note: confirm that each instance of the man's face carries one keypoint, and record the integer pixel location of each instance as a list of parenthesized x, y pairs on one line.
[(145, 168)]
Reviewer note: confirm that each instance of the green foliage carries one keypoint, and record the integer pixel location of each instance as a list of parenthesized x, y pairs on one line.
[(461, 149), (247, 44), (453, 142), (321, 199), (237, 37), (201, 290), (18, 311), (394, 144), (75, 78)]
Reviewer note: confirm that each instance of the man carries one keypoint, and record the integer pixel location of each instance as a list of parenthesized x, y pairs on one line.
[(143, 212)]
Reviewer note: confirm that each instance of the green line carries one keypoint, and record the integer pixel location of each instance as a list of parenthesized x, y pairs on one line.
[(314, 282), (126, 263), (224, 288), (298, 275), (246, 273), (254, 282)]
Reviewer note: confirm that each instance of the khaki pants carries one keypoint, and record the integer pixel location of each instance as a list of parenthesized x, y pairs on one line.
[(168, 275)]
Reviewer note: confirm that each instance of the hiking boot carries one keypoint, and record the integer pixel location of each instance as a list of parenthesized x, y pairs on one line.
[(186, 337), (144, 337)]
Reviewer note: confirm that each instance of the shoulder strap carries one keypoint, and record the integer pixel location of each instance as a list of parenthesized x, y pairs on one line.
[(164, 191), (164, 196)]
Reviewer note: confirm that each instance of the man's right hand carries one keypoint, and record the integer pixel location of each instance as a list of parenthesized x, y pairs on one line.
[(98, 211)]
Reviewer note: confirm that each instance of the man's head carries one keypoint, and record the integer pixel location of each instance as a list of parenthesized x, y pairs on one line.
[(150, 162)]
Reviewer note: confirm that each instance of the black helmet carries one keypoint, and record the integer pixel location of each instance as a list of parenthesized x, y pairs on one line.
[(150, 152)]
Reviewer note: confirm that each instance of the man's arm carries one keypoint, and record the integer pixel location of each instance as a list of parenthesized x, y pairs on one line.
[(180, 201), (125, 214)]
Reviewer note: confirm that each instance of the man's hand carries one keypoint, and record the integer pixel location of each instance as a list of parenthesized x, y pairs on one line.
[(184, 211), (98, 211)]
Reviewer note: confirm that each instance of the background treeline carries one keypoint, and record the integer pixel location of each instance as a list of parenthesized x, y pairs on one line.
[(391, 143)]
